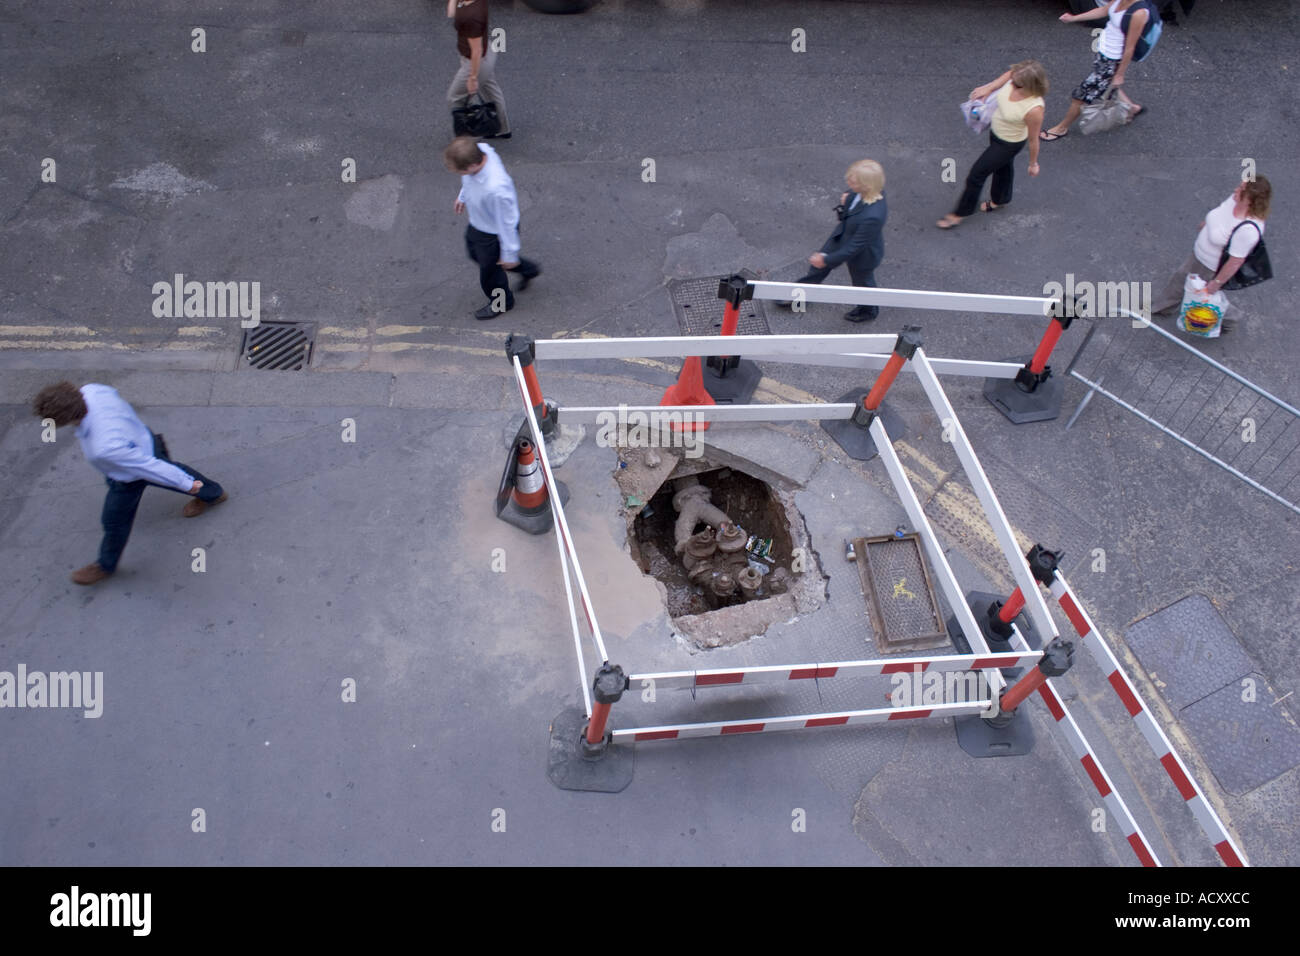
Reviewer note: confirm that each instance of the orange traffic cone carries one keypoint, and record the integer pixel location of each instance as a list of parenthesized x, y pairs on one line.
[(688, 390), (523, 499)]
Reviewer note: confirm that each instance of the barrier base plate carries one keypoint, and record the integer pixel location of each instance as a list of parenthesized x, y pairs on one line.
[(736, 387), (539, 523), (568, 769), (856, 440), (1041, 405), (980, 602), (980, 740)]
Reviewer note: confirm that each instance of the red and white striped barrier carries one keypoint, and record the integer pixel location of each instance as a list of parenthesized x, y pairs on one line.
[(819, 671), (801, 722), (1155, 737), (1097, 774)]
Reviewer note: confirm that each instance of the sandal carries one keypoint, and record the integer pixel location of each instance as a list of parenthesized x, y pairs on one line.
[(1047, 136), (989, 206), (949, 221), (1135, 115)]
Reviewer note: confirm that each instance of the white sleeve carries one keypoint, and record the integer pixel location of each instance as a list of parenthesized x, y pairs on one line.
[(142, 464), (1244, 241)]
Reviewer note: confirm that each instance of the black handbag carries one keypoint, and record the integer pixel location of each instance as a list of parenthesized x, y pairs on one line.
[(476, 119), (1254, 270)]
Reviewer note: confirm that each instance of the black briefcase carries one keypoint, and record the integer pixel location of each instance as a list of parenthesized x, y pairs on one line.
[(476, 119)]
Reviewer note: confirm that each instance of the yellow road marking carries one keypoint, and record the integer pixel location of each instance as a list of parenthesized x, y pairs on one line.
[(46, 330), (927, 476)]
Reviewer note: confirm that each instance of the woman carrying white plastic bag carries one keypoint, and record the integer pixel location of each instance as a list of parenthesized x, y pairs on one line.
[(1202, 312), (1228, 236)]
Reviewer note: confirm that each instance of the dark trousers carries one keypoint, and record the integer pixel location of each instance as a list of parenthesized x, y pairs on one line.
[(858, 276), (997, 161), (123, 500), (485, 249)]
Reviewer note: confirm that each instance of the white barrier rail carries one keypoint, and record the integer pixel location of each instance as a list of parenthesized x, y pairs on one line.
[(590, 414), (760, 725), (997, 518), (906, 298), (744, 676), (679, 346), (557, 511), (1087, 758), (875, 362)]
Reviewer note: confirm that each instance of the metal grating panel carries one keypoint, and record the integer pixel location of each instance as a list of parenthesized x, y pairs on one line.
[(900, 595), (278, 346), (699, 310), (1247, 743), (1189, 649)]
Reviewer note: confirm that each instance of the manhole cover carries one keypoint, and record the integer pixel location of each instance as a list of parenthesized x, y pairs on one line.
[(1189, 649), (279, 346), (699, 310), (900, 596)]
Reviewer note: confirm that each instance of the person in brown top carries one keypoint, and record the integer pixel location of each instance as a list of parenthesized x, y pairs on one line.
[(477, 73)]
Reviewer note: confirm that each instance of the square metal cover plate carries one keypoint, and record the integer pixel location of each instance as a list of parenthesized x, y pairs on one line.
[(900, 595), (699, 310)]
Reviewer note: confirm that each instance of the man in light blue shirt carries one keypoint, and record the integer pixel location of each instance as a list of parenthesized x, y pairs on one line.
[(487, 193), (131, 457)]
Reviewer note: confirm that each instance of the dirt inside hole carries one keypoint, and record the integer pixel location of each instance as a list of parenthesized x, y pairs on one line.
[(749, 503)]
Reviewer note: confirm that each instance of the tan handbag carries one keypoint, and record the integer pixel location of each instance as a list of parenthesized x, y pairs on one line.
[(1107, 113)]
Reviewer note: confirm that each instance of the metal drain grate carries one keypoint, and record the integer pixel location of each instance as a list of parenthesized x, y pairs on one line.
[(279, 346), (699, 310), (900, 596)]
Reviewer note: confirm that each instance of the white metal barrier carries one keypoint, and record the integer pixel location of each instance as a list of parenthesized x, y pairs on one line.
[(859, 351)]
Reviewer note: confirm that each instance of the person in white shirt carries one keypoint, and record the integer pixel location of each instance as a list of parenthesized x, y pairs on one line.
[(1114, 53), (1221, 246), (487, 193), (130, 456)]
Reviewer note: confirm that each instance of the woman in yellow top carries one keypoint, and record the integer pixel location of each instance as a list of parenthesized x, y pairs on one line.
[(1017, 120)]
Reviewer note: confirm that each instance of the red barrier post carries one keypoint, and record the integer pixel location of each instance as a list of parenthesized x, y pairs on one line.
[(608, 688), (904, 348)]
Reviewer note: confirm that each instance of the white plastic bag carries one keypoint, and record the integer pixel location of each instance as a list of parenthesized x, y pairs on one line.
[(979, 113), (1201, 313)]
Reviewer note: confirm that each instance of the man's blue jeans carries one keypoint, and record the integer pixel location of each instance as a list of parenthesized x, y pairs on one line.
[(123, 500)]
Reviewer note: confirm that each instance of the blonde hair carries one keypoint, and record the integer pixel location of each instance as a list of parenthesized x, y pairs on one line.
[(870, 179), (1032, 77)]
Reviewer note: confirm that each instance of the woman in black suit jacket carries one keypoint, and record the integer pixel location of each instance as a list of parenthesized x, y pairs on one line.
[(858, 241)]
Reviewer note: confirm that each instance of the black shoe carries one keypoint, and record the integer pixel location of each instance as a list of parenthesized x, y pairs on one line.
[(863, 313), (498, 136), (525, 278), (487, 312)]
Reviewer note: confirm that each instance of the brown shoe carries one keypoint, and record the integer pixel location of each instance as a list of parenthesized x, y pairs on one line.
[(196, 506), (90, 574)]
